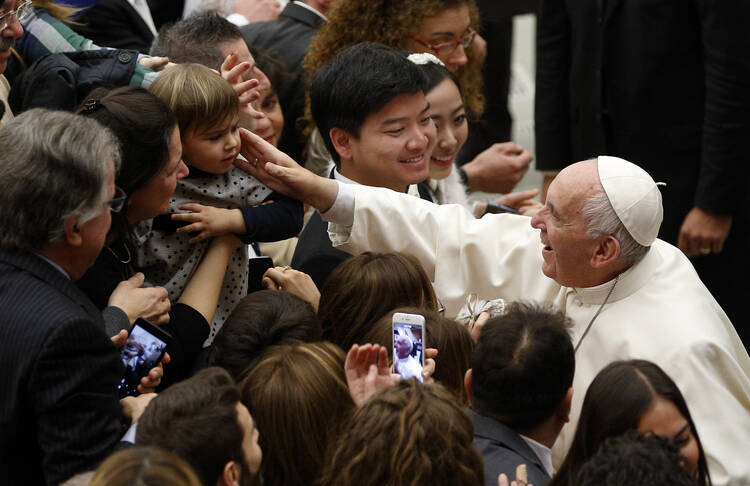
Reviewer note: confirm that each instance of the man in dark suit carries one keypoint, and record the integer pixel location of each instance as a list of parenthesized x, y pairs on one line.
[(59, 407), (665, 84), (118, 23), (288, 40), (520, 387)]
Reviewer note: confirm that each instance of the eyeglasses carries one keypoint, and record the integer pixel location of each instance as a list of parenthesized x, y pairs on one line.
[(20, 12), (447, 48), (118, 202)]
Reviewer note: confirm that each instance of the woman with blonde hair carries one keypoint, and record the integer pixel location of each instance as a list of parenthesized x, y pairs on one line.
[(406, 434), (364, 288), (298, 396), (144, 466)]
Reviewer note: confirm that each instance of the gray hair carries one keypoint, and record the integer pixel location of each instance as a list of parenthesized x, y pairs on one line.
[(53, 164), (601, 219), (196, 39)]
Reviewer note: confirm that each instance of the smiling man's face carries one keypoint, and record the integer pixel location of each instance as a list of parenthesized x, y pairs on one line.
[(394, 145), (567, 247)]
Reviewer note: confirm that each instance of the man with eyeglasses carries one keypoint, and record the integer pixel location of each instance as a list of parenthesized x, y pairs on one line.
[(10, 30), (59, 407)]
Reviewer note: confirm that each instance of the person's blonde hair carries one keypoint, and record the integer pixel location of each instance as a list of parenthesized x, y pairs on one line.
[(298, 397), (408, 434), (198, 96), (144, 466), (60, 11), (392, 22)]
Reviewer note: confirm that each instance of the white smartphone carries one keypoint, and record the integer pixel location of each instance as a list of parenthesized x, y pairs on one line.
[(408, 345)]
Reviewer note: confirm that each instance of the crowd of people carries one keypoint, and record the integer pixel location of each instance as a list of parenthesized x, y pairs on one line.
[(254, 197)]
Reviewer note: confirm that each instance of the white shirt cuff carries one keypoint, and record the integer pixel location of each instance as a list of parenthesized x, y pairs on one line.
[(237, 19), (130, 434), (342, 210)]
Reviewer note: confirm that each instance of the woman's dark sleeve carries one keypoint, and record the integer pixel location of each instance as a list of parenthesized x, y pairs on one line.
[(275, 221), (189, 330)]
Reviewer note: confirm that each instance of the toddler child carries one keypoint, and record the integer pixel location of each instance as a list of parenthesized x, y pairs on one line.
[(215, 198)]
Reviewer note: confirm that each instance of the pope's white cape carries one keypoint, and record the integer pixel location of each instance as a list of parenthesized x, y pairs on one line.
[(659, 310)]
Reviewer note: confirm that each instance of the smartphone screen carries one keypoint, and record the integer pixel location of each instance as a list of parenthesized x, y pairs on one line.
[(142, 351), (408, 345)]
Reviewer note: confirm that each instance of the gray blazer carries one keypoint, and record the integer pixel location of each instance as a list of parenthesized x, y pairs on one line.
[(502, 450)]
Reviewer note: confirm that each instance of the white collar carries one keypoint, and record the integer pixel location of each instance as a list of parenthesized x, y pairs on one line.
[(58, 267), (301, 4), (629, 282), (342, 178), (543, 452), (141, 7)]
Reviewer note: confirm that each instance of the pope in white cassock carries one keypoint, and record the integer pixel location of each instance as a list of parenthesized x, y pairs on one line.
[(592, 251)]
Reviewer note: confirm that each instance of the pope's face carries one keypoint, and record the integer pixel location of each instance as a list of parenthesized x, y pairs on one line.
[(403, 348), (567, 248)]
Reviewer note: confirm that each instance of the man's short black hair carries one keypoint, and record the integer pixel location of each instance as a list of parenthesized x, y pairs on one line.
[(634, 459), (196, 39), (197, 420), (358, 82), (522, 366), (261, 320)]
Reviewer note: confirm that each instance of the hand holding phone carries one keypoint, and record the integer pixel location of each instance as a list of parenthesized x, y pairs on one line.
[(408, 345), (142, 351)]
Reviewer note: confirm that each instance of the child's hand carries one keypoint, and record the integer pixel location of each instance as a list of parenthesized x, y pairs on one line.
[(247, 91), (209, 221)]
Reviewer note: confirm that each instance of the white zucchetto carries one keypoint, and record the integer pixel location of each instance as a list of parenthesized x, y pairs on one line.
[(634, 196)]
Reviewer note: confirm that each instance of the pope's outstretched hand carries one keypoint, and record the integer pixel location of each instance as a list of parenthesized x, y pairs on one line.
[(278, 171)]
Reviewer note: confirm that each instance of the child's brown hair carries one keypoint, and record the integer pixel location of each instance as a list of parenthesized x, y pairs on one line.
[(198, 96)]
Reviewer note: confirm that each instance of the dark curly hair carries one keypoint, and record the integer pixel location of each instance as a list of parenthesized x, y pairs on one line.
[(406, 434), (391, 22), (634, 459)]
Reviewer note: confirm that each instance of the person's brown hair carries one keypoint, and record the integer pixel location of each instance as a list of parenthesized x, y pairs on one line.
[(198, 96), (391, 22), (144, 466), (452, 340), (197, 420), (298, 397), (364, 288), (406, 434)]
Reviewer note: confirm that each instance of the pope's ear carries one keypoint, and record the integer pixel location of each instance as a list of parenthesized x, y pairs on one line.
[(341, 140), (607, 251), (72, 231)]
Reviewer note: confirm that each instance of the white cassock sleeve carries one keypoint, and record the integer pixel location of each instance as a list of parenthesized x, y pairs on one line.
[(497, 256)]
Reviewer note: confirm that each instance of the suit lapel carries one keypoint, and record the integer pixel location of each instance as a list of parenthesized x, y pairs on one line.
[(303, 15), (492, 429), (138, 22)]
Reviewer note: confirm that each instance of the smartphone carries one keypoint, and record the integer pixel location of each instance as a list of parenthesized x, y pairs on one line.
[(256, 269), (495, 208), (143, 350), (408, 345)]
